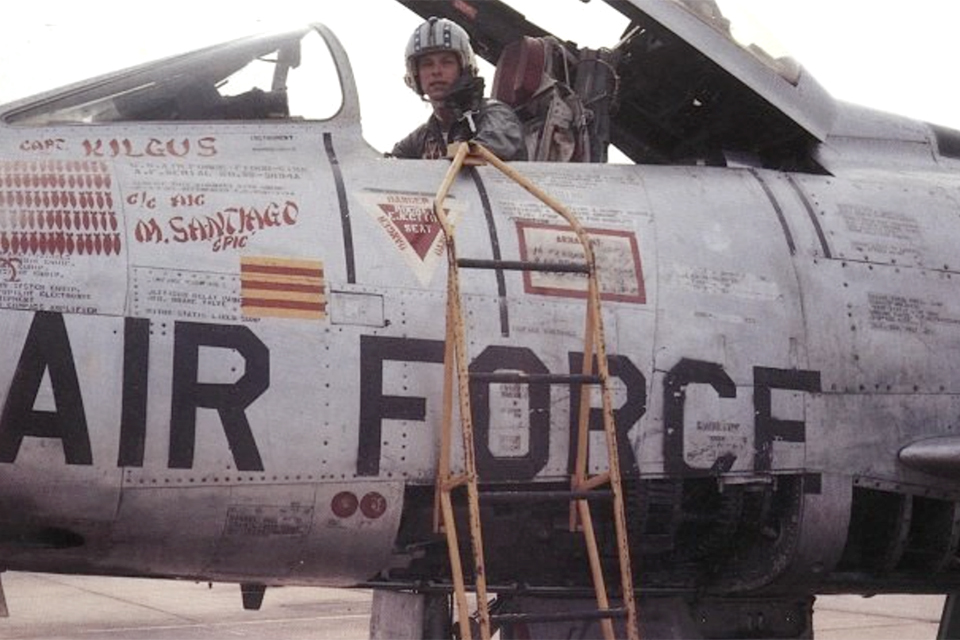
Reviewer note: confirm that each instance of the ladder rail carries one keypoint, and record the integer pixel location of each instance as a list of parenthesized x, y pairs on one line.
[(596, 568), (443, 457), (583, 418), (456, 564), (456, 360)]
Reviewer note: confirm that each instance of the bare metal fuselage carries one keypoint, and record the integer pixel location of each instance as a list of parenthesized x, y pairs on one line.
[(243, 381), (223, 337)]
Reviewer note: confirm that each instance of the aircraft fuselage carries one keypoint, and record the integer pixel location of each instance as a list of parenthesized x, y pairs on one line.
[(253, 336)]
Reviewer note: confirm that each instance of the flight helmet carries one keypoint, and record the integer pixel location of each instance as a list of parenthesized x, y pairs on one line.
[(439, 34)]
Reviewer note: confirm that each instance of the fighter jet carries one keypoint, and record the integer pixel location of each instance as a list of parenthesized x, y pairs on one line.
[(239, 347)]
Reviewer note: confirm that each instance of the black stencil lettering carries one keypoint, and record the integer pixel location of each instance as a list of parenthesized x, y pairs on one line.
[(133, 415), (375, 407), (230, 400), (632, 409), (687, 372), (47, 349), (767, 428), (525, 467)]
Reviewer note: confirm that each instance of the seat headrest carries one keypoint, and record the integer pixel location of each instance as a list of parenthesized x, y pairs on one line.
[(519, 72)]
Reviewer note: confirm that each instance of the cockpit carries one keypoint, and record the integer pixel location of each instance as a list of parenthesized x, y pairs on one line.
[(684, 84)]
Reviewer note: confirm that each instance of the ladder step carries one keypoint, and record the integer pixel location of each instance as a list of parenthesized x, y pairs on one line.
[(593, 614), (533, 496), (518, 265), (533, 378), (451, 483)]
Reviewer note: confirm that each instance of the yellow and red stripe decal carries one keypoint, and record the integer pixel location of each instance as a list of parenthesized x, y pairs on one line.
[(282, 288)]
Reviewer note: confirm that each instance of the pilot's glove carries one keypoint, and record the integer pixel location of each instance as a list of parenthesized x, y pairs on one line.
[(465, 97)]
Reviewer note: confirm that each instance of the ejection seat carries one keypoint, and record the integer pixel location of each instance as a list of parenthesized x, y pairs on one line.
[(532, 77), (538, 78)]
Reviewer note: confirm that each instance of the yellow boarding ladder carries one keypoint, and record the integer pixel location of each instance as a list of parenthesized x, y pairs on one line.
[(582, 485)]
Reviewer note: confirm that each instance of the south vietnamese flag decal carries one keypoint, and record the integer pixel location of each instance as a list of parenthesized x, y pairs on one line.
[(282, 288)]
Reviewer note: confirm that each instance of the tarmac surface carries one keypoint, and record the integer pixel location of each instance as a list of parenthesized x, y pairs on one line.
[(54, 607)]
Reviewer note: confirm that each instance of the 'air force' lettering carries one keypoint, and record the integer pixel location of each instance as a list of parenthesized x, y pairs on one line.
[(47, 350), (375, 407)]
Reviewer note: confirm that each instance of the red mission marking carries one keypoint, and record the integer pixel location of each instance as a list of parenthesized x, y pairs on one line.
[(282, 286), (283, 304), (281, 271), (57, 207)]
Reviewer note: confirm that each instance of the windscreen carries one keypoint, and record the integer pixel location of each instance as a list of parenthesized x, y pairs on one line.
[(291, 76)]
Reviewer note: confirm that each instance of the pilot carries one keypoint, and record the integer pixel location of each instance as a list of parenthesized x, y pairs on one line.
[(442, 69)]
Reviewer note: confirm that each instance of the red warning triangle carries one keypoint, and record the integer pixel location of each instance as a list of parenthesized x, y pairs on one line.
[(415, 222)]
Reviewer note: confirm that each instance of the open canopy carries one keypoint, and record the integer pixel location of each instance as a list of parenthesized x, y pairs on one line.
[(689, 86)]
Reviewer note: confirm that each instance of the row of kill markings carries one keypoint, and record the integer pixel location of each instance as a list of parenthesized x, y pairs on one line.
[(59, 243), (58, 220), (56, 199)]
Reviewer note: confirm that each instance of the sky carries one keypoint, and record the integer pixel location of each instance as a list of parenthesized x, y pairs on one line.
[(892, 55)]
